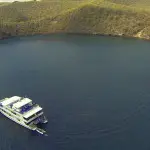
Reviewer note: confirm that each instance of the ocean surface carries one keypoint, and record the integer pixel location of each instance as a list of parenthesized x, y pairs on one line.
[(95, 91)]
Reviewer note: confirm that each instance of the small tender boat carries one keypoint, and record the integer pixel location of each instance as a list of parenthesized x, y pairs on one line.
[(24, 112)]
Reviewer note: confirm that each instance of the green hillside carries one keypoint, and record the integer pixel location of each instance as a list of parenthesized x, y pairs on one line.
[(139, 3), (107, 17)]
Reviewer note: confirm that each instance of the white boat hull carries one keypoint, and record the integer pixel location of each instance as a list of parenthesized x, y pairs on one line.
[(19, 122)]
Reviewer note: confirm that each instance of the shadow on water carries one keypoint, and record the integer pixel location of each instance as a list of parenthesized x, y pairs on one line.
[(35, 134), (69, 39), (10, 41), (41, 126)]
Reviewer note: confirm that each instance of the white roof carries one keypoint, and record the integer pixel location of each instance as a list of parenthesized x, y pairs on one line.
[(22, 103), (10, 100), (32, 111)]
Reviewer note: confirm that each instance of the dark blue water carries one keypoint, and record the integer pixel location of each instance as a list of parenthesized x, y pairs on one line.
[(95, 91)]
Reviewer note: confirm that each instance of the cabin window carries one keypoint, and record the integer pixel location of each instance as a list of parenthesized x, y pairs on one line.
[(32, 121), (29, 117), (32, 116), (28, 123), (13, 112), (39, 112)]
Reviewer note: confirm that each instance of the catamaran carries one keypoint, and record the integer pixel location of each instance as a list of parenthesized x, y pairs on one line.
[(24, 112)]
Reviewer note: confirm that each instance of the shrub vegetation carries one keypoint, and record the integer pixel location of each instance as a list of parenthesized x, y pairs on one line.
[(108, 17)]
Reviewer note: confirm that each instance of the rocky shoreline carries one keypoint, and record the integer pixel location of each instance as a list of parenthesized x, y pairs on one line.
[(137, 36)]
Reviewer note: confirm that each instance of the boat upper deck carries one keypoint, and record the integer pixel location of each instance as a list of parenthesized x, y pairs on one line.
[(22, 103), (23, 106), (31, 112), (11, 100)]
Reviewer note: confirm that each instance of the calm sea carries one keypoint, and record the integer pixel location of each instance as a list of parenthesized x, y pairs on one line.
[(95, 91)]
